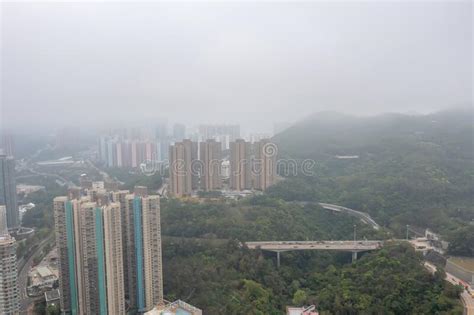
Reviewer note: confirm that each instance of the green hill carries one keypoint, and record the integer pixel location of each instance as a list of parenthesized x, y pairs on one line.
[(205, 264), (416, 170)]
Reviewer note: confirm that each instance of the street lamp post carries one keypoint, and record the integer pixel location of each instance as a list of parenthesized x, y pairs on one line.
[(407, 231), (355, 233), (354, 253)]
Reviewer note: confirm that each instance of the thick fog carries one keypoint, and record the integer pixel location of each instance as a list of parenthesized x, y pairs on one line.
[(249, 63)]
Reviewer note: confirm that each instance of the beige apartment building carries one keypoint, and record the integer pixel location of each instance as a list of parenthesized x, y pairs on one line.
[(240, 165), (264, 164), (182, 157), (210, 155)]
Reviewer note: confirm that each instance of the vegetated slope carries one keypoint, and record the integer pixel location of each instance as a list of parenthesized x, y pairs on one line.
[(259, 219), (416, 170), (205, 266)]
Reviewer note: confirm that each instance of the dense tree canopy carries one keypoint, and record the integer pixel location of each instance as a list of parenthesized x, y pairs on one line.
[(206, 264), (259, 218), (461, 241)]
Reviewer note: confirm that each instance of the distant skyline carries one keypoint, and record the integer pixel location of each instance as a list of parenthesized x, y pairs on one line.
[(252, 63)]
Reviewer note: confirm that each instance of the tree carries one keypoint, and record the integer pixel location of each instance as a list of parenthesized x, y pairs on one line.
[(300, 297), (461, 241), (53, 309), (40, 308)]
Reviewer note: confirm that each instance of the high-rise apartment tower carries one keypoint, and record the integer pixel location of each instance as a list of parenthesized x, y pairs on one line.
[(109, 248), (182, 161), (240, 165), (210, 157), (264, 164), (8, 190)]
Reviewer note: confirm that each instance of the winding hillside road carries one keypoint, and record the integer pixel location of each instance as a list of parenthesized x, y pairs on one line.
[(466, 298), (365, 217), (361, 215)]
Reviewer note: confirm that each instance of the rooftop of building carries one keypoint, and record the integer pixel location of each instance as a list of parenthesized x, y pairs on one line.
[(308, 310), (44, 271), (51, 295), (175, 308), (6, 239)]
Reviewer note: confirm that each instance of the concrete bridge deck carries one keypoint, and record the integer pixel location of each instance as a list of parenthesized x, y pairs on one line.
[(351, 246), (345, 246)]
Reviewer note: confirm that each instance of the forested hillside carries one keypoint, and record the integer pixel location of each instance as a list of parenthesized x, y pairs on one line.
[(416, 170), (259, 219), (206, 265)]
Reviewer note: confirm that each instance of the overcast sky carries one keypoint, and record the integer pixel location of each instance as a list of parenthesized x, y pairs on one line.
[(251, 63)]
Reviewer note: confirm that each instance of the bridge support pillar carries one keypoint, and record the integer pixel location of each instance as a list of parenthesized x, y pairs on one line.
[(354, 256), (278, 259)]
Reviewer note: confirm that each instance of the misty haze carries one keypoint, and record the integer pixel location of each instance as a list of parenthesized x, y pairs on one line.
[(236, 157)]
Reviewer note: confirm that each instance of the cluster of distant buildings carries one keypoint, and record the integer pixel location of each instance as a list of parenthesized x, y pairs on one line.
[(109, 250), (202, 166), (132, 147), (212, 158), (115, 151)]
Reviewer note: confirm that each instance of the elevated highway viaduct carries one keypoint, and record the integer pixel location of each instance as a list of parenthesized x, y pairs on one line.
[(345, 246)]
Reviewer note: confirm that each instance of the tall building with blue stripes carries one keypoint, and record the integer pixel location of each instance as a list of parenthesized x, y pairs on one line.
[(143, 250), (97, 234), (88, 239)]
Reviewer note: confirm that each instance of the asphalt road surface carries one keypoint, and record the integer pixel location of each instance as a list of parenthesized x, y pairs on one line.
[(466, 298), (316, 245), (25, 300)]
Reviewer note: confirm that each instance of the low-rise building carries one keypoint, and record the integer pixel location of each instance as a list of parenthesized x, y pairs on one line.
[(45, 274), (28, 189), (52, 297), (43, 278), (175, 308), (306, 310)]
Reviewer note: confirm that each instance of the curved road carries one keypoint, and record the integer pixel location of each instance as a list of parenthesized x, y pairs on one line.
[(23, 271), (58, 177), (365, 217), (362, 215), (466, 298)]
